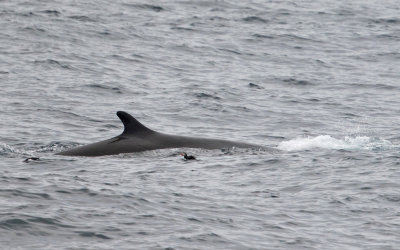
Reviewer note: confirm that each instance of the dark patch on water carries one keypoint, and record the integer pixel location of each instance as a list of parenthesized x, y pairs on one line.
[(254, 19), (14, 224), (105, 87), (266, 193), (93, 234), (151, 7), (194, 220), (217, 18), (63, 191), (82, 18), (391, 197), (203, 95), (111, 184), (388, 37), (24, 179), (52, 62), (148, 216), (85, 191), (386, 20), (263, 36), (26, 194), (35, 30), (48, 221), (293, 81), (231, 51), (30, 221), (350, 115), (254, 86), (51, 12), (182, 28)]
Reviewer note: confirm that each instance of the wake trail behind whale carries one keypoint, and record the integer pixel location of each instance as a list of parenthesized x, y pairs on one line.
[(329, 142)]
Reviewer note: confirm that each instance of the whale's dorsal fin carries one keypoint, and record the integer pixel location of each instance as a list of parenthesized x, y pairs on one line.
[(131, 125)]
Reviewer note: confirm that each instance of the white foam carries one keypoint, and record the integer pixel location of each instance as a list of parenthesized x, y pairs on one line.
[(329, 142)]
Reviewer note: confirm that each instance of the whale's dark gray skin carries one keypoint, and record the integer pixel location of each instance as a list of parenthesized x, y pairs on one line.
[(137, 137)]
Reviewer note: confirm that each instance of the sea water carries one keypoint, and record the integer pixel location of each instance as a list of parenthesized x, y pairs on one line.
[(317, 81)]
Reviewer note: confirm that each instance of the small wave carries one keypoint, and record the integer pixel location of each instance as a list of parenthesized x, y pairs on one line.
[(386, 20), (105, 87), (12, 193), (56, 147), (182, 28), (10, 151), (293, 81), (25, 221), (35, 30), (52, 62), (255, 86), (254, 19), (154, 8), (203, 95), (14, 223), (5, 149), (51, 12), (263, 36), (329, 142), (82, 18), (92, 234)]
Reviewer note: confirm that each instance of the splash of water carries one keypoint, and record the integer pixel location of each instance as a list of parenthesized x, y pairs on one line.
[(329, 142)]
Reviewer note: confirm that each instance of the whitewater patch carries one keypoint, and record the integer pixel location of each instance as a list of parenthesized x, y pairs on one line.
[(329, 142)]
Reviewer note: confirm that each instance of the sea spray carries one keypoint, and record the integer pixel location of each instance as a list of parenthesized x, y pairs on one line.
[(329, 142)]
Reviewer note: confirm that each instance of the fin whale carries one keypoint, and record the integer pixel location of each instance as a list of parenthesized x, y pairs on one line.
[(136, 138)]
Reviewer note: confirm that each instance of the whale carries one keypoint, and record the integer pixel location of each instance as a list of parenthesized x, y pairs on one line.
[(137, 138)]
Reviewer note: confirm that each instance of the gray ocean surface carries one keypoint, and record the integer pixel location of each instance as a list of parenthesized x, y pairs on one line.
[(319, 81)]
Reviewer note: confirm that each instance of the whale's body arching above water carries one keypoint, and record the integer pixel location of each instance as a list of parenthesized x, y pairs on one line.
[(136, 138)]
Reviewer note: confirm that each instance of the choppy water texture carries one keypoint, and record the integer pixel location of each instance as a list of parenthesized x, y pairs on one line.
[(318, 80)]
